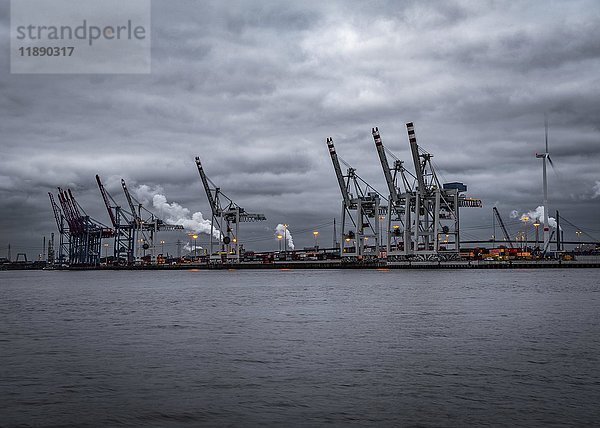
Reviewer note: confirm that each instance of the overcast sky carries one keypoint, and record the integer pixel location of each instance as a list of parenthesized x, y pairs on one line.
[(255, 87)]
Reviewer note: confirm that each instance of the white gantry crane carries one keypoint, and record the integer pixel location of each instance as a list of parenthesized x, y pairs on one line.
[(423, 219), (397, 180), (225, 219), (361, 241)]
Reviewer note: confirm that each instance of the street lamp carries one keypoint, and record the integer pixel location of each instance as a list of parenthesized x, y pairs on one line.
[(536, 224), (285, 233), (316, 235), (347, 242), (525, 219), (195, 237), (279, 238), (578, 233), (162, 247), (106, 253), (381, 218)]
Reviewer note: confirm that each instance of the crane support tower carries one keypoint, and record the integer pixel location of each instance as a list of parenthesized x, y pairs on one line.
[(360, 241), (63, 231), (225, 220)]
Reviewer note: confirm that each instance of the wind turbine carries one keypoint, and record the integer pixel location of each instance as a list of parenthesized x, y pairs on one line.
[(545, 157)]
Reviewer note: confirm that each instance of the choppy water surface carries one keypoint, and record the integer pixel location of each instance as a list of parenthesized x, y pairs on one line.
[(442, 348)]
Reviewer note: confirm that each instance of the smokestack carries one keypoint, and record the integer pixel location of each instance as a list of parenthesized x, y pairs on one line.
[(51, 249)]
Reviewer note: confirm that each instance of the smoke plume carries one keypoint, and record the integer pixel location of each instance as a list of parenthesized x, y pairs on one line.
[(173, 212), (537, 214), (189, 247), (596, 190), (285, 232), (176, 214)]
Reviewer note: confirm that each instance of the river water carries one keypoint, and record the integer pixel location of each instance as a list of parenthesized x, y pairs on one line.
[(300, 348)]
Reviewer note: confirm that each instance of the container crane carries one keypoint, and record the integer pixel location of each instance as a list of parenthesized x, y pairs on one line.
[(423, 217), (503, 227), (145, 221), (395, 177), (225, 219), (363, 211), (84, 233), (432, 209), (63, 230), (124, 224)]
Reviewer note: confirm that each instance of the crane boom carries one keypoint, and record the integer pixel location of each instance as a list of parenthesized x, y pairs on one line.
[(414, 149), (338, 172), (506, 236), (74, 203), (69, 215), (209, 195), (76, 211), (134, 212), (106, 199), (57, 214), (385, 165)]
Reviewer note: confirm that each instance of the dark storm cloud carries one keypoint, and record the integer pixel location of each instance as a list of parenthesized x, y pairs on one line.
[(254, 88)]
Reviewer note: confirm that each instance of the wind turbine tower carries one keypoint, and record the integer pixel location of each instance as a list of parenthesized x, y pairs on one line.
[(545, 157)]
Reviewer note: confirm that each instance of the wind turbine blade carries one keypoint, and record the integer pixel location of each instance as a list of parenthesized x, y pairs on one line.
[(554, 168), (546, 130)]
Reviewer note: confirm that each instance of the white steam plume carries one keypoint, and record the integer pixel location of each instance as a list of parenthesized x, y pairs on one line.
[(537, 214), (596, 190), (173, 212), (176, 214), (285, 232), (189, 247), (145, 193)]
